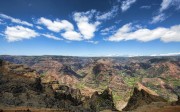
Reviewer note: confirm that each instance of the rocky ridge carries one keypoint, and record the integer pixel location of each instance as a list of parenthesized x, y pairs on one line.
[(21, 89), (120, 74)]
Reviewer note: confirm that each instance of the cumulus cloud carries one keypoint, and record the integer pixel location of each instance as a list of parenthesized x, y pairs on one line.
[(108, 15), (127, 4), (85, 26), (128, 32), (56, 25), (14, 20), (51, 36), (158, 18), (72, 35), (17, 33)]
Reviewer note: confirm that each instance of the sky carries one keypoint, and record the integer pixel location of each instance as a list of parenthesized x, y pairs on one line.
[(90, 27)]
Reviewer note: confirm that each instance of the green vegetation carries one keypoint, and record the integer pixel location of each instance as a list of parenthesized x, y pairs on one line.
[(173, 81), (80, 85), (121, 73), (141, 72), (157, 71), (131, 81), (116, 97), (43, 74), (176, 82)]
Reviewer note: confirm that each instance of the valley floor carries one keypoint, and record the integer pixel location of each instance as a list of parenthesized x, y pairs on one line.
[(159, 109), (25, 109), (141, 109)]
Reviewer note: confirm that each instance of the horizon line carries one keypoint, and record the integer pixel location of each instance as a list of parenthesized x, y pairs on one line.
[(128, 56)]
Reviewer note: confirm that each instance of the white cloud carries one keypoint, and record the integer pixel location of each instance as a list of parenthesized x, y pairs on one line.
[(108, 30), (38, 27), (128, 32), (17, 33), (127, 4), (51, 36), (168, 3), (104, 33), (165, 4), (86, 27), (176, 3), (159, 18), (108, 15), (167, 54), (57, 25), (170, 54), (72, 35), (93, 42), (145, 7), (118, 21), (14, 20)]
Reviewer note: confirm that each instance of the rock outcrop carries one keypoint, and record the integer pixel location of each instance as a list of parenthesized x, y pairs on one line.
[(20, 90), (178, 101), (140, 98), (103, 101), (89, 74)]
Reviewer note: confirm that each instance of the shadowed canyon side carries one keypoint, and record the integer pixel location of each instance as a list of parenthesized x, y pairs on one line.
[(22, 88), (89, 84), (140, 98)]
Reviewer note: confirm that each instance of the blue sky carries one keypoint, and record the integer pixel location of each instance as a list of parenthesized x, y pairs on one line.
[(90, 27)]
